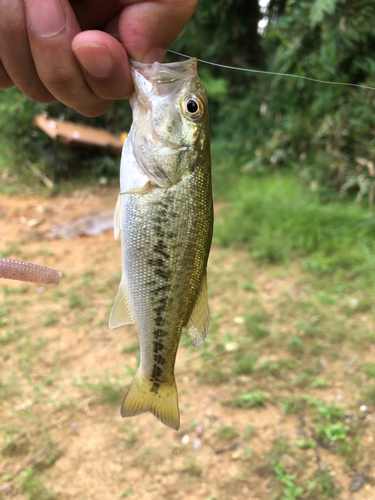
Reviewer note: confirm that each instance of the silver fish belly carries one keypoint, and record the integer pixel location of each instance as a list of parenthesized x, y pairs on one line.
[(165, 216)]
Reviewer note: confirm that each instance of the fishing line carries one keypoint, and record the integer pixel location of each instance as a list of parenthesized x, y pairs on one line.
[(275, 74)]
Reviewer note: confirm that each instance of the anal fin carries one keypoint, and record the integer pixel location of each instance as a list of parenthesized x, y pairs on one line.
[(121, 313), (197, 326)]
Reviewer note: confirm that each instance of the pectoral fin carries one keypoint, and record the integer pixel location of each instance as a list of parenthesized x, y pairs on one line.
[(117, 218), (197, 326), (142, 190), (121, 313)]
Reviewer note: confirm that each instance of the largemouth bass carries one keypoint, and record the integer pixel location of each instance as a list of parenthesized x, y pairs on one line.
[(165, 216)]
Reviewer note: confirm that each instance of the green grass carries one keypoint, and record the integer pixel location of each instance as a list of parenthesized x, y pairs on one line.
[(290, 490), (128, 434), (245, 364), (282, 344), (31, 484), (227, 433), (193, 469), (109, 389), (76, 301), (278, 219), (255, 325), (251, 399), (127, 493), (370, 370), (296, 346), (49, 320)]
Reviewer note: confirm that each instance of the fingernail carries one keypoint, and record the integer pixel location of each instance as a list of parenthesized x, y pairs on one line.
[(154, 55), (95, 59), (46, 17)]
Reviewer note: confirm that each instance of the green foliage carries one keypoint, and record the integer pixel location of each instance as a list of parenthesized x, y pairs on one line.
[(108, 388), (245, 364), (296, 346), (306, 443), (227, 433), (291, 490), (328, 412), (320, 8), (128, 434), (323, 126), (21, 141), (333, 432), (193, 469), (217, 88), (331, 429), (33, 487), (255, 325), (222, 29), (323, 486), (370, 370), (75, 300), (254, 399), (127, 493), (261, 123), (320, 384)]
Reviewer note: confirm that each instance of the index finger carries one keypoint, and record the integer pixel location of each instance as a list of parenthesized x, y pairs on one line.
[(52, 25), (147, 29)]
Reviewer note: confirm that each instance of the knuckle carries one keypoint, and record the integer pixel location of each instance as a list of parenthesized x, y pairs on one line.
[(191, 4), (188, 6), (72, 90), (57, 77), (12, 22), (42, 99), (95, 109), (110, 94), (39, 94), (5, 82)]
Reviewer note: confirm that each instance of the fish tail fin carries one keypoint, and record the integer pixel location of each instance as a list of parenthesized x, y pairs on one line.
[(159, 398)]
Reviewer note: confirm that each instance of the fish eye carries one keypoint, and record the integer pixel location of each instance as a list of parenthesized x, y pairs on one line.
[(193, 107)]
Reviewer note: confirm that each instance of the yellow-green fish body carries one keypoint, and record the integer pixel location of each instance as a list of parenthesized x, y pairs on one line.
[(165, 216)]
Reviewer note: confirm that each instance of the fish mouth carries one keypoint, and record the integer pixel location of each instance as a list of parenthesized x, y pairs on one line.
[(167, 72), (163, 79)]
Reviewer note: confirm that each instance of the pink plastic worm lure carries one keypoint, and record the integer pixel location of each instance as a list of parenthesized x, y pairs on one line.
[(24, 271)]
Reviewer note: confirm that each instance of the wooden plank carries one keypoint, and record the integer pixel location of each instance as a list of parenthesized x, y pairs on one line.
[(75, 133)]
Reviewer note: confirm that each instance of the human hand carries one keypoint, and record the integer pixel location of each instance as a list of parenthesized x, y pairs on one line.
[(53, 49)]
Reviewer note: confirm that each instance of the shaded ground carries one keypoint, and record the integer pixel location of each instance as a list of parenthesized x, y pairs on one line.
[(277, 404)]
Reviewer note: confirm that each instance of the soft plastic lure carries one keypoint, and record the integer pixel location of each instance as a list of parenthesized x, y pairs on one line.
[(25, 271)]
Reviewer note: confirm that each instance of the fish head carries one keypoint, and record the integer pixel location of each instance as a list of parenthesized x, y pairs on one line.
[(170, 134)]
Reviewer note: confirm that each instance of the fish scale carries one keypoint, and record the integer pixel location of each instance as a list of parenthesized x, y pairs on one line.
[(166, 230), (160, 277)]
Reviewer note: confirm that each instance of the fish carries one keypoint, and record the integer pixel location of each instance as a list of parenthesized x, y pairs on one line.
[(26, 271), (165, 215)]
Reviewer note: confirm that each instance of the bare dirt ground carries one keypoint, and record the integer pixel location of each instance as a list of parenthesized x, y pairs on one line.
[(63, 375)]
